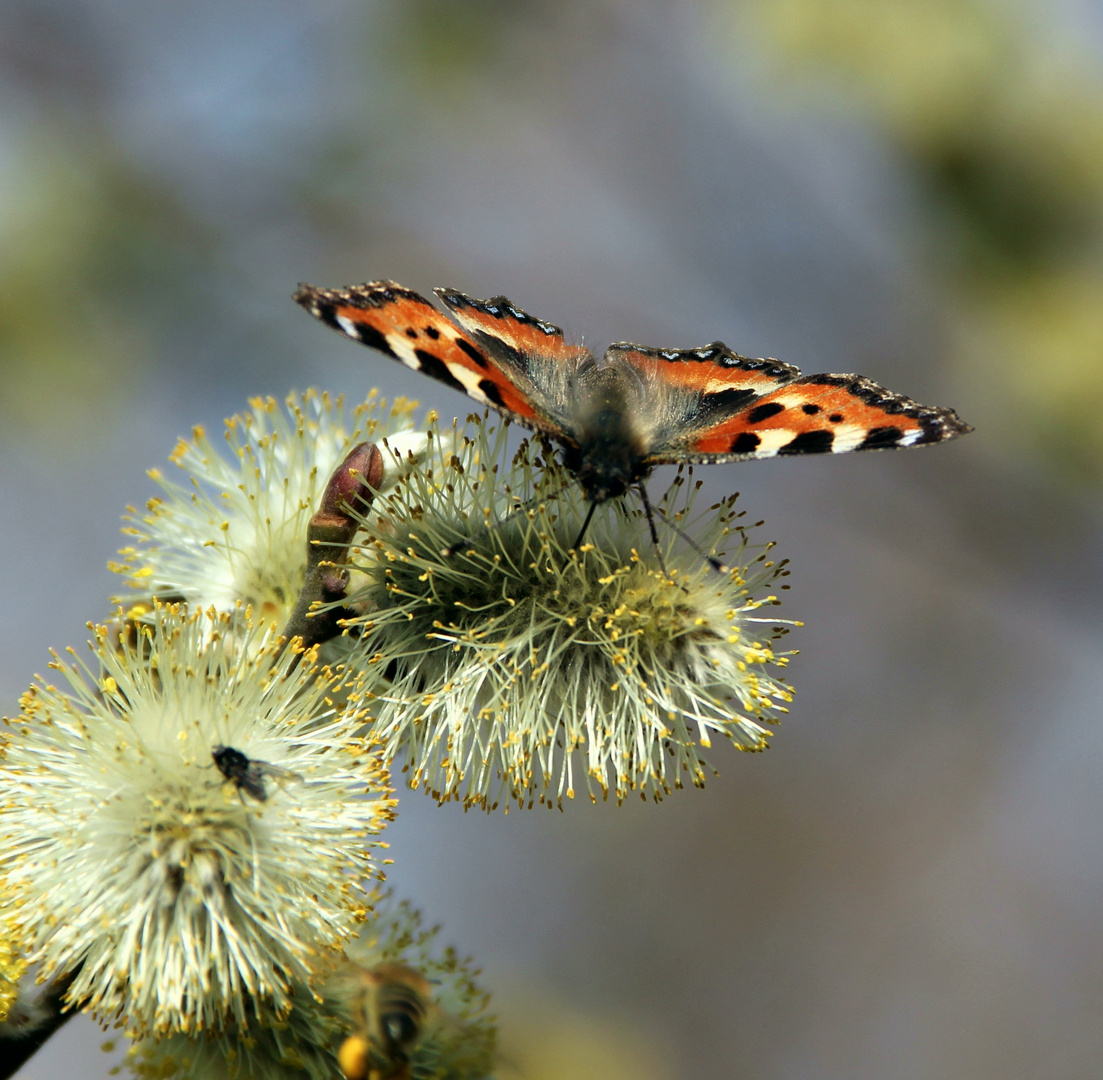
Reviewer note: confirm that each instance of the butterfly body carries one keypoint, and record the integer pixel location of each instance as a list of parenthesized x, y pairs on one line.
[(617, 417), (605, 450)]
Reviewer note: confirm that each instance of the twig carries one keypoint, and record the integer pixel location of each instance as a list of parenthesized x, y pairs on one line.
[(47, 1016)]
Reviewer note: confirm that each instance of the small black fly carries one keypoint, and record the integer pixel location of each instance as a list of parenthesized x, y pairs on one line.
[(246, 774)]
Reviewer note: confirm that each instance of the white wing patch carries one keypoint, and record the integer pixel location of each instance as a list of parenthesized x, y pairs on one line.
[(847, 437), (468, 379), (771, 441)]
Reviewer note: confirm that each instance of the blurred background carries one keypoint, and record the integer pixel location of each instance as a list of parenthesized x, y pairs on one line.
[(910, 883)]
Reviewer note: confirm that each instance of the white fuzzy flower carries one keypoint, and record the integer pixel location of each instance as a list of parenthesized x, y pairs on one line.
[(179, 891), (519, 667), (235, 532), (13, 964)]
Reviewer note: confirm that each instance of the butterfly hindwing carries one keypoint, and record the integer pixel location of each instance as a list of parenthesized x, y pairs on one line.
[(531, 354), (720, 376), (397, 321), (509, 334), (685, 390)]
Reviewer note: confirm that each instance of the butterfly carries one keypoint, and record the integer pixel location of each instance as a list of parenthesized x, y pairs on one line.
[(618, 417)]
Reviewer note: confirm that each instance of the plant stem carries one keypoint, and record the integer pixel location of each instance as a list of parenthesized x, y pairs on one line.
[(19, 1047)]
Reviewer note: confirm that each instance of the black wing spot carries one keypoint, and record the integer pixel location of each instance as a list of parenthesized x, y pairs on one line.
[(746, 442), (327, 313), (473, 354), (371, 337), (764, 412), (811, 410), (411, 332), (438, 369), (881, 438), (433, 332), (504, 354), (836, 418), (725, 400), (809, 442), (492, 393)]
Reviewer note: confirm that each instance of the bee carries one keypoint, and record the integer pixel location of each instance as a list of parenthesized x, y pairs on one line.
[(248, 775), (390, 1008)]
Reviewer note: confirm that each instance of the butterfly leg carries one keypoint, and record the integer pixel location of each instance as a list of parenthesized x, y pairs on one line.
[(585, 525), (649, 511), (714, 562)]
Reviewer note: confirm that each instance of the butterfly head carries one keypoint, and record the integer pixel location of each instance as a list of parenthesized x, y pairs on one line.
[(606, 461)]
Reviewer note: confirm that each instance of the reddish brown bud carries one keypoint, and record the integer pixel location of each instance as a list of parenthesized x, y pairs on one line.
[(352, 483)]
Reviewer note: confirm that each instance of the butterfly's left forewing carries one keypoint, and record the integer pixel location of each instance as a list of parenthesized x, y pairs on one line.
[(812, 414)]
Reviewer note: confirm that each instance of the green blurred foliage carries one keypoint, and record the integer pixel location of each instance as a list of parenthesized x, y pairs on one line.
[(90, 255), (1003, 131), (444, 40)]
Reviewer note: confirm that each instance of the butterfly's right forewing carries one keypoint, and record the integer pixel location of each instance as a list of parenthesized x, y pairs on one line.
[(406, 327)]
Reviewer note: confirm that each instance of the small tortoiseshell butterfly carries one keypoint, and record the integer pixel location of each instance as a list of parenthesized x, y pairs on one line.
[(618, 417)]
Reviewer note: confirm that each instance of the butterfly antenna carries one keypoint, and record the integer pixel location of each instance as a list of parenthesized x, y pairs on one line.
[(714, 562), (585, 525), (647, 509)]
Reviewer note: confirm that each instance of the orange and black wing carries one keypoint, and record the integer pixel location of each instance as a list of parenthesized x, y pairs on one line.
[(405, 326), (713, 405), (816, 414)]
